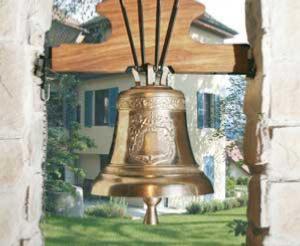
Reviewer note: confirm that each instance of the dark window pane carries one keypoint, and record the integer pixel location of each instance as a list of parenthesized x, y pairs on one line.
[(88, 107), (101, 107), (113, 97)]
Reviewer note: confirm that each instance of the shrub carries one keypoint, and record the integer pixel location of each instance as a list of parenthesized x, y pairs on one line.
[(229, 204), (243, 200), (242, 181), (230, 187), (238, 227), (194, 208), (215, 205), (111, 209)]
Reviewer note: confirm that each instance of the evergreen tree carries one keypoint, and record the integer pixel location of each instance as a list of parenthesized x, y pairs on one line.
[(234, 117), (81, 10), (63, 144)]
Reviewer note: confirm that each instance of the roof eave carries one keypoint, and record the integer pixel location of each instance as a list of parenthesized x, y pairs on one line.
[(211, 28)]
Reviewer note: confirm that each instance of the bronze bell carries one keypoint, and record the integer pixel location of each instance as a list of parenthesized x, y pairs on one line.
[(151, 156)]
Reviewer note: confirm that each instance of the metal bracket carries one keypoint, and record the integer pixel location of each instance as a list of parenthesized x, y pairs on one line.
[(251, 69), (40, 71)]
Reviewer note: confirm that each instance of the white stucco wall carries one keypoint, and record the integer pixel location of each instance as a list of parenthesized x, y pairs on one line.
[(91, 165), (102, 134), (202, 141)]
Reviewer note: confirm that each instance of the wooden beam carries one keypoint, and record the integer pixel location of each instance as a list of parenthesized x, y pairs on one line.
[(184, 55)]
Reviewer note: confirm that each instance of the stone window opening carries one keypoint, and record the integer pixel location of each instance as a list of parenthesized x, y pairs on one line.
[(272, 158)]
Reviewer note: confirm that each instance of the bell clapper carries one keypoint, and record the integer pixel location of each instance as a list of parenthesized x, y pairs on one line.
[(151, 217)]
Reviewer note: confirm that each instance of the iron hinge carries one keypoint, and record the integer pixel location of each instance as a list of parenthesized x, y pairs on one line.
[(40, 70)]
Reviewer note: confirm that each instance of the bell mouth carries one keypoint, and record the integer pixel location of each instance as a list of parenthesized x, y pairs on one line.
[(157, 186)]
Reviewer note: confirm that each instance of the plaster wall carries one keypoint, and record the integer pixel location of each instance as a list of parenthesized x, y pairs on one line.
[(91, 165), (272, 144), (23, 122)]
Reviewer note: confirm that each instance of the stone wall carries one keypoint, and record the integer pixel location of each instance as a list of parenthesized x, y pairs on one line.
[(272, 147), (22, 125)]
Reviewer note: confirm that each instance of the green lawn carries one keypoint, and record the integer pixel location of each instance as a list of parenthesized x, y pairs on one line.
[(177, 230)]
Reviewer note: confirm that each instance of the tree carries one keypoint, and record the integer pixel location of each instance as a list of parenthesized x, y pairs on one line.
[(81, 10), (234, 122), (234, 118), (63, 144)]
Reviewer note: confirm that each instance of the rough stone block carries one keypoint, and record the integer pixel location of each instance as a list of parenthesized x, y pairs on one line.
[(12, 25), (39, 21), (285, 154), (284, 80), (10, 218), (34, 241), (253, 99), (34, 196), (252, 149), (284, 213), (11, 162), (41, 13), (36, 141), (284, 19), (38, 104), (252, 239), (257, 205), (15, 88)]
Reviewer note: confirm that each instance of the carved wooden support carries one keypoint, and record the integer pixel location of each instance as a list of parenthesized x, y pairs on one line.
[(184, 55)]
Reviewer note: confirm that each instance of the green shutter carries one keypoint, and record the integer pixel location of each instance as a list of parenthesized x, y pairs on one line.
[(112, 112), (88, 108), (200, 110), (217, 110), (100, 107), (207, 110)]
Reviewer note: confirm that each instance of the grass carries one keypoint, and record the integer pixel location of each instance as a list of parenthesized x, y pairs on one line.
[(180, 230)]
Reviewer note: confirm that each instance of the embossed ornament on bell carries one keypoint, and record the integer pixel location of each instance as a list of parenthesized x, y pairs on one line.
[(151, 156)]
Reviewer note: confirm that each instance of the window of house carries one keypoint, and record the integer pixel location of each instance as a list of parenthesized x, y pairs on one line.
[(106, 107), (101, 107), (88, 108), (208, 110)]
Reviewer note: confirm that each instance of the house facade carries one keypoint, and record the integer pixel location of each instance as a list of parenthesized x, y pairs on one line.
[(203, 93)]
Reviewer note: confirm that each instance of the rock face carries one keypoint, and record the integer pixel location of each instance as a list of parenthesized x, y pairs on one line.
[(272, 147), (22, 125), (67, 204)]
